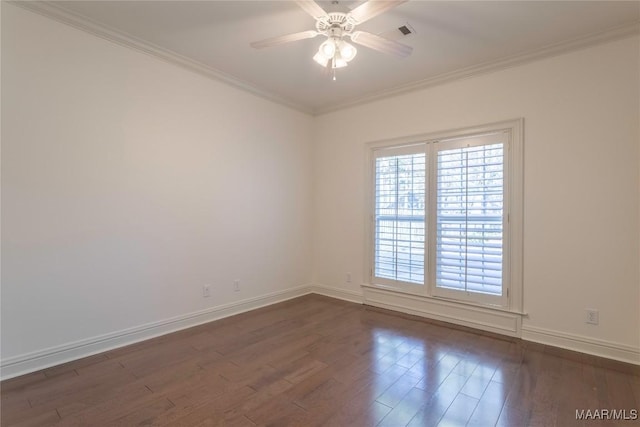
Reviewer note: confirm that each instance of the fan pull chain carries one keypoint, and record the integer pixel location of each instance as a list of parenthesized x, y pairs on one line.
[(333, 67)]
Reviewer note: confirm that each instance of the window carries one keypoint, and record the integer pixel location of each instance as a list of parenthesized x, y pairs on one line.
[(441, 215), (400, 214)]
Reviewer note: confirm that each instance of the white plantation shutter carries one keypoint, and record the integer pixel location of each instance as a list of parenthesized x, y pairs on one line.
[(469, 211), (399, 214)]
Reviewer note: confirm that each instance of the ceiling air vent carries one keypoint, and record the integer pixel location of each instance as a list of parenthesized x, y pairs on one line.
[(399, 33), (405, 30)]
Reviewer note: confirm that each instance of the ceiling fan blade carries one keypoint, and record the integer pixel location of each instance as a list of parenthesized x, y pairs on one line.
[(312, 8), (372, 8), (381, 44), (274, 41)]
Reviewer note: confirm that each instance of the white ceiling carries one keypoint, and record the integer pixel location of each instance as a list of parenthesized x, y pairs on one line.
[(450, 37)]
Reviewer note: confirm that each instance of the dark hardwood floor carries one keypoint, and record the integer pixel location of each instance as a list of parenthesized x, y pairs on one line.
[(319, 361)]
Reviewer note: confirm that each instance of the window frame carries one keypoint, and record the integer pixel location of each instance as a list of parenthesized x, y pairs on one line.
[(511, 298)]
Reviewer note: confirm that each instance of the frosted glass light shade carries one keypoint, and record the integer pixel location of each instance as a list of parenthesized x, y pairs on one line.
[(347, 51), (321, 59), (328, 49)]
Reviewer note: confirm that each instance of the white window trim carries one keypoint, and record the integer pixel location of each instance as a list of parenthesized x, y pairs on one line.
[(514, 200)]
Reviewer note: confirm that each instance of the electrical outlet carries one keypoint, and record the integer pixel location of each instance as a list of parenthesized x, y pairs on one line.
[(236, 285), (206, 291), (593, 317), (348, 277)]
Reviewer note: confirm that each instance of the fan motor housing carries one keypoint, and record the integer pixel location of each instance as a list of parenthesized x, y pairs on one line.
[(335, 24)]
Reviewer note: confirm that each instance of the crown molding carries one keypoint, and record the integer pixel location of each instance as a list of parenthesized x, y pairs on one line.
[(494, 65), (81, 22)]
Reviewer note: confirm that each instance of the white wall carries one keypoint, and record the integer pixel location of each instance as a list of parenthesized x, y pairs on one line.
[(582, 136), (128, 183)]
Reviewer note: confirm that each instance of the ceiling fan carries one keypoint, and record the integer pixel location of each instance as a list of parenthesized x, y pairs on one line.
[(335, 51)]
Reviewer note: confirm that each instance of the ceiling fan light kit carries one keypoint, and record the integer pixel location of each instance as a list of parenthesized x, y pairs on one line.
[(335, 52)]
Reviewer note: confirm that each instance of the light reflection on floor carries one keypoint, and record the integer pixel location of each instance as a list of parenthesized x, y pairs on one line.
[(424, 381)]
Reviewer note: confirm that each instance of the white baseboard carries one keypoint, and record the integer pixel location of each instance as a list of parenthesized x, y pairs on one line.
[(41, 359), (582, 344), (333, 292)]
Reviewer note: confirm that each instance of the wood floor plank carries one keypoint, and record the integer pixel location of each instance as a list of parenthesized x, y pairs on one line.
[(21, 382), (431, 412), (490, 405), (317, 361), (567, 395), (174, 376), (402, 413), (145, 415), (153, 359), (620, 390), (358, 412), (47, 418), (277, 411), (635, 386), (202, 405), (459, 411), (24, 414), (75, 365), (398, 390), (256, 400), (87, 407), (478, 381), (57, 394)]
